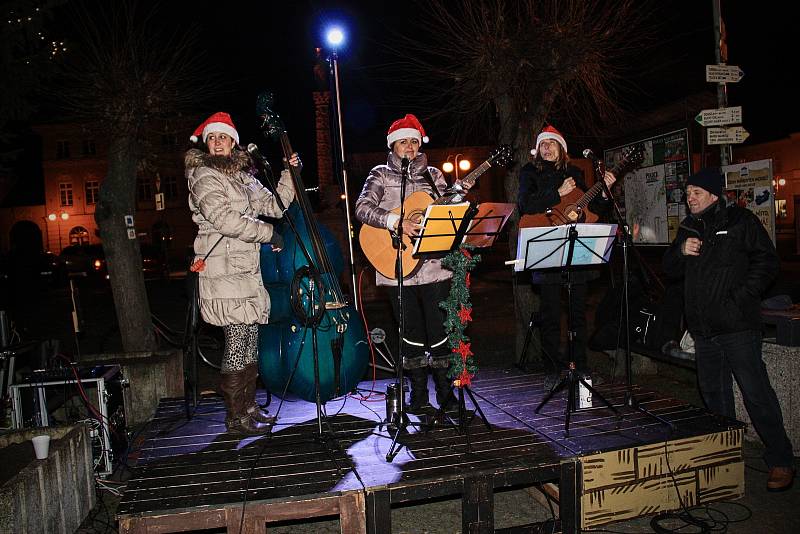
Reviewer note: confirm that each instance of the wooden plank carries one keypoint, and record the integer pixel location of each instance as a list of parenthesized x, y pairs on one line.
[(477, 505), (378, 511), (189, 464)]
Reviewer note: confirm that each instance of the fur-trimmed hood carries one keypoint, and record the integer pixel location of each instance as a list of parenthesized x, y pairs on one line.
[(229, 165)]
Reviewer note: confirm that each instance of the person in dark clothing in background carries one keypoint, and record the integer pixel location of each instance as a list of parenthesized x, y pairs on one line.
[(542, 184), (727, 261)]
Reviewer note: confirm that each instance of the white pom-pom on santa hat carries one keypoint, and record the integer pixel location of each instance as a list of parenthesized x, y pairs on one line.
[(218, 122), (408, 126), (550, 133)]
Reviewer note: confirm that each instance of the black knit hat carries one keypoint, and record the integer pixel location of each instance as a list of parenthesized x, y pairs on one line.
[(710, 179)]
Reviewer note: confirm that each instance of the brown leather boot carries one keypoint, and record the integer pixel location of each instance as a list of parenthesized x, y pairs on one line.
[(780, 479), (251, 406), (237, 420)]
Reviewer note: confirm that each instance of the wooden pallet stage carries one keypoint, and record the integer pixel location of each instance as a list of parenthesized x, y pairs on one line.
[(191, 475)]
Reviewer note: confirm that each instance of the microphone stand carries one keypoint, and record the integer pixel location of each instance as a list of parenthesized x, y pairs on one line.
[(400, 419), (627, 240)]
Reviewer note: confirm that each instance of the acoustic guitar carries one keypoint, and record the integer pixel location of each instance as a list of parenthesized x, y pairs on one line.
[(573, 207), (380, 245)]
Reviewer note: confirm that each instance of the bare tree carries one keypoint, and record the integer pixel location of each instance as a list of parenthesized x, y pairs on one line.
[(512, 66), (131, 70)]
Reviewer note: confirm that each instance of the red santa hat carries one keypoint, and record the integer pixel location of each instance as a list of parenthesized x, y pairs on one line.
[(408, 126), (550, 133), (218, 122)]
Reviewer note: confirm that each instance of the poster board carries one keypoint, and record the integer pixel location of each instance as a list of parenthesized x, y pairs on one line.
[(652, 197), (749, 184)]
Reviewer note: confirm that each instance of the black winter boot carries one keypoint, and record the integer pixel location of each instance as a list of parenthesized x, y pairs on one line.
[(419, 404), (443, 386)]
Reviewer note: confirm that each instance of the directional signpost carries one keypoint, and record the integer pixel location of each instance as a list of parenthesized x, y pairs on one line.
[(723, 73), (723, 116), (720, 117), (723, 136)]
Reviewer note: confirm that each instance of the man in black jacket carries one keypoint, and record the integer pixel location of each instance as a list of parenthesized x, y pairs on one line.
[(728, 261)]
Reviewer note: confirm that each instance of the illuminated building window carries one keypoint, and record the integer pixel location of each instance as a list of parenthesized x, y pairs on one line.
[(92, 191), (65, 193)]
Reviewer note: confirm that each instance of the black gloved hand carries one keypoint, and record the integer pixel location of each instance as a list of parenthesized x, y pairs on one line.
[(277, 240)]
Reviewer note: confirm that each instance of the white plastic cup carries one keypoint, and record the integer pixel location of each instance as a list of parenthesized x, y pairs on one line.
[(41, 446)]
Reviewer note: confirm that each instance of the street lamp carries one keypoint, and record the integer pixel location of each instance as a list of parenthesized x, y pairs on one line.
[(335, 36), (779, 184), (463, 164), (63, 216)]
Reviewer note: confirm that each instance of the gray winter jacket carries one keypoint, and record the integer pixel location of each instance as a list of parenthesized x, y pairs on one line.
[(225, 201), (381, 194)]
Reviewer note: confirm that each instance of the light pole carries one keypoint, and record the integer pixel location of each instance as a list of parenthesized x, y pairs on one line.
[(463, 164), (335, 37), (63, 216)]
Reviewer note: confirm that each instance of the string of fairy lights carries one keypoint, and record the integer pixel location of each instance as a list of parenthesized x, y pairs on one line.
[(30, 23)]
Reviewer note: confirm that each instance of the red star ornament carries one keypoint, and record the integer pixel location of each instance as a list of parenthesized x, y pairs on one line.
[(465, 314), (463, 350)]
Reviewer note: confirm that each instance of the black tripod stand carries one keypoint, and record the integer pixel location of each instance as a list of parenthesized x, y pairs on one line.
[(627, 241), (573, 376), (464, 415)]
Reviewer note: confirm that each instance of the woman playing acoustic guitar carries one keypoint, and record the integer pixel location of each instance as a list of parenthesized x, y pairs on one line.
[(424, 342), (543, 182)]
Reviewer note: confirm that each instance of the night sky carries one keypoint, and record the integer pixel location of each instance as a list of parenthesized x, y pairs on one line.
[(261, 45), (273, 48)]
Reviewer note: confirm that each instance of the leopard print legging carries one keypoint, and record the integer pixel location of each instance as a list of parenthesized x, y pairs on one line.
[(241, 347)]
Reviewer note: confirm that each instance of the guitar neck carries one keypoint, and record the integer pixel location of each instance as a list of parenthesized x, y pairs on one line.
[(468, 181), (598, 187)]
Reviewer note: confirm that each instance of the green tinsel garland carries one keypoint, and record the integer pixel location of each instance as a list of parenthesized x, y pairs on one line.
[(459, 314)]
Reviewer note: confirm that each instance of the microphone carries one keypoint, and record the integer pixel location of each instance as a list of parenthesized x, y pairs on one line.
[(588, 154), (404, 163), (252, 149)]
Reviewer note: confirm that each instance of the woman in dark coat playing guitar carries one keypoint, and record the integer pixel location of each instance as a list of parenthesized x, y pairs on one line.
[(543, 184)]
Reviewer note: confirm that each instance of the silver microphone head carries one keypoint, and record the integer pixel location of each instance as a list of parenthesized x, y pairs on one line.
[(252, 148), (588, 154)]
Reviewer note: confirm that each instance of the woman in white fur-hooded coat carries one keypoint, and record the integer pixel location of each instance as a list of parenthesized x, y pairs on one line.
[(225, 201)]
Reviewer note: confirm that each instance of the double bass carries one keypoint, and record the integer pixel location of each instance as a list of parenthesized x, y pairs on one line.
[(310, 324)]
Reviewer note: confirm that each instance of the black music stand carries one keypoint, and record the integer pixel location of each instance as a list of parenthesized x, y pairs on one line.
[(565, 247), (444, 232)]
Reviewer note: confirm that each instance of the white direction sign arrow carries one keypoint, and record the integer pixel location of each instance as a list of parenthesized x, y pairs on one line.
[(724, 136), (720, 116), (723, 73)]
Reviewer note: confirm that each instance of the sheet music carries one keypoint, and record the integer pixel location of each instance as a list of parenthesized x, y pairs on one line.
[(439, 227), (547, 247), (540, 245)]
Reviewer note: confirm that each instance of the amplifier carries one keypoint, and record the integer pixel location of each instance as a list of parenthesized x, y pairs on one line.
[(57, 397)]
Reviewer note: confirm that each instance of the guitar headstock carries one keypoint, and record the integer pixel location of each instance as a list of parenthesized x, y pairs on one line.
[(271, 122), (502, 155), (631, 157)]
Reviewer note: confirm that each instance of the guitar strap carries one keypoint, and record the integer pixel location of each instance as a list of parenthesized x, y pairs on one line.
[(429, 180)]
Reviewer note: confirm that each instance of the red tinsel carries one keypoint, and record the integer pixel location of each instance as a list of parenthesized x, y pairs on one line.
[(467, 281)]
